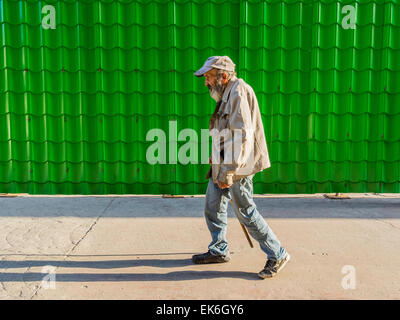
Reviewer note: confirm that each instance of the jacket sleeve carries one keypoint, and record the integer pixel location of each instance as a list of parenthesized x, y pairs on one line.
[(239, 143)]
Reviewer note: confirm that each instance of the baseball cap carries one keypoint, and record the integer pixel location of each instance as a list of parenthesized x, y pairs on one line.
[(218, 62)]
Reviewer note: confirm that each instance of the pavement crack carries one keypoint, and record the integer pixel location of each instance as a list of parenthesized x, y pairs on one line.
[(387, 222), (7, 239), (376, 218), (77, 243), (89, 229)]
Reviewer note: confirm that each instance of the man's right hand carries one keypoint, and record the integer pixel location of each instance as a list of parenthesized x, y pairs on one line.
[(222, 185)]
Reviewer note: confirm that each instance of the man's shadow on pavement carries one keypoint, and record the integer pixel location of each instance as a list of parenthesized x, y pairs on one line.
[(114, 264), (98, 264)]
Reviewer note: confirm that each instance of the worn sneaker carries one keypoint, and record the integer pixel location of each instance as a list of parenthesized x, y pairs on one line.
[(207, 257), (272, 267)]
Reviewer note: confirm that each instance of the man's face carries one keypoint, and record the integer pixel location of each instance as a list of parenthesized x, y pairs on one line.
[(215, 84), (211, 78)]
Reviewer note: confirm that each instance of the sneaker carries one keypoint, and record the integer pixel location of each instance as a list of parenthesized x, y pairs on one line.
[(207, 257), (272, 267)]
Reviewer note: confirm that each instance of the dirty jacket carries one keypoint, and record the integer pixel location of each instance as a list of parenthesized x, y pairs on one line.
[(239, 148)]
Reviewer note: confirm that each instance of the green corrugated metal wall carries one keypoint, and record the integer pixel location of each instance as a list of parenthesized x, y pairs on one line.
[(77, 101)]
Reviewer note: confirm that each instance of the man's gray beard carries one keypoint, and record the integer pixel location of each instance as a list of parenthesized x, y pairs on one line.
[(216, 91)]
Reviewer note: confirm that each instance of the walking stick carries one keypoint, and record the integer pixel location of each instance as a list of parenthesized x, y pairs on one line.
[(245, 232), (243, 227)]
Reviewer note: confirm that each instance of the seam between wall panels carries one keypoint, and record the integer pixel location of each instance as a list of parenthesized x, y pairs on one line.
[(242, 37), (386, 58), (380, 121), (174, 184), (313, 73)]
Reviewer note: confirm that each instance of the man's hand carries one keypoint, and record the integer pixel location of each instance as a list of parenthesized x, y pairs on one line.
[(223, 185)]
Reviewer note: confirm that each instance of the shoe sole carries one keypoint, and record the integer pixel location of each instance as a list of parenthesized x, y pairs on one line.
[(209, 262), (287, 259), (227, 259)]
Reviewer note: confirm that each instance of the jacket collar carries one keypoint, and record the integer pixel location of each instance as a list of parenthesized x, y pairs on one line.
[(226, 107), (228, 89)]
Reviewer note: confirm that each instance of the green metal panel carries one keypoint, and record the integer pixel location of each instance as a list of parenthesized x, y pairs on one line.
[(77, 101)]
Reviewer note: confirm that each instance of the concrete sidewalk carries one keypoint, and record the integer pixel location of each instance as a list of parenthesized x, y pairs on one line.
[(140, 247)]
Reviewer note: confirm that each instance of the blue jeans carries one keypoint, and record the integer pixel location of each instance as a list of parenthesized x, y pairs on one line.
[(241, 193)]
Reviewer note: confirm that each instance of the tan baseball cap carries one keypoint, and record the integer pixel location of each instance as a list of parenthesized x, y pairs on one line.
[(217, 62)]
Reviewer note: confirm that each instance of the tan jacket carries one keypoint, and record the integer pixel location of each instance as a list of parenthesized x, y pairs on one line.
[(238, 127)]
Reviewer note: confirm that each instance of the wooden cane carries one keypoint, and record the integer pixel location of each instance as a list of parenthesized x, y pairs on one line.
[(209, 174), (245, 232)]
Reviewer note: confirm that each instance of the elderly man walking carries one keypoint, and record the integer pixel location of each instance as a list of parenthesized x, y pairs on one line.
[(234, 161)]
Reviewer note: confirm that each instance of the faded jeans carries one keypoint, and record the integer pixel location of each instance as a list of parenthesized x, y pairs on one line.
[(241, 193)]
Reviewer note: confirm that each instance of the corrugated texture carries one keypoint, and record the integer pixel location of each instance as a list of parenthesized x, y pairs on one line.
[(76, 102)]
